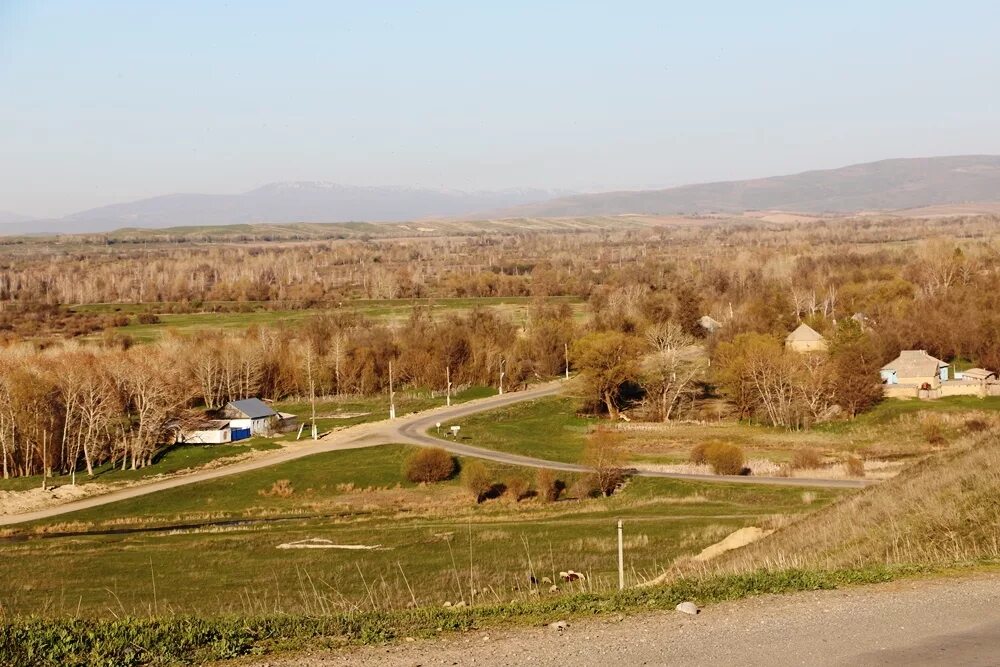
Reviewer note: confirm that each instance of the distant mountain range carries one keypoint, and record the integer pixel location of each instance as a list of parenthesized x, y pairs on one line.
[(286, 203), (888, 185)]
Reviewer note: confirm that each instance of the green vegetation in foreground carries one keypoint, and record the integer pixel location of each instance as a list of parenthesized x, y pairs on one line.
[(433, 540), (547, 428), (893, 409), (136, 641), (171, 459)]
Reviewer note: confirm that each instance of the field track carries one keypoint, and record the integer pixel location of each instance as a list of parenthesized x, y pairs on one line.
[(410, 429)]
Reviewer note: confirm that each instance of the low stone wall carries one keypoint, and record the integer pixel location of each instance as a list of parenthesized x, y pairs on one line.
[(949, 388)]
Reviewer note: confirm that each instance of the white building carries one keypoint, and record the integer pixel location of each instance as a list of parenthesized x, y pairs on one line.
[(249, 417), (211, 432)]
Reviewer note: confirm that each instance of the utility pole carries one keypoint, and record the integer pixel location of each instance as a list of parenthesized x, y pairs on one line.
[(447, 371), (392, 395), (621, 558), (312, 394)]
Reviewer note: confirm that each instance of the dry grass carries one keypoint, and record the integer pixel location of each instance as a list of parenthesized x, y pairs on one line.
[(945, 509)]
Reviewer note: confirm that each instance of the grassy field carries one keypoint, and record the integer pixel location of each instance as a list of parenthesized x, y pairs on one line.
[(170, 460), (943, 510), (434, 544), (239, 315), (338, 412), (547, 428), (894, 430)]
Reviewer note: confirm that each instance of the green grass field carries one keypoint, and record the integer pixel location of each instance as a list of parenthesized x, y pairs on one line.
[(547, 428), (435, 543), (338, 412), (552, 428), (239, 315), (170, 460)]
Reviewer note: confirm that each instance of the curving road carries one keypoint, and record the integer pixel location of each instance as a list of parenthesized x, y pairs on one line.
[(410, 429)]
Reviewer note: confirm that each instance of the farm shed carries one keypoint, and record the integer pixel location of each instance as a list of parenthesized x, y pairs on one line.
[(210, 432), (249, 417)]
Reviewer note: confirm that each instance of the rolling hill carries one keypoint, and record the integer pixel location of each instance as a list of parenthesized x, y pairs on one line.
[(886, 185)]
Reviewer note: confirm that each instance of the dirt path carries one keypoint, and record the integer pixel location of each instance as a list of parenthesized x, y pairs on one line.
[(954, 621), (410, 429)]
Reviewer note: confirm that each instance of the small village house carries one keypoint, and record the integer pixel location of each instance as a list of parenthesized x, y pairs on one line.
[(249, 417), (915, 368), (805, 339)]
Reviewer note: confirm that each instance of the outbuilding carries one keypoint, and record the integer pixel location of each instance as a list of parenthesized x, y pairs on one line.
[(208, 432), (249, 417)]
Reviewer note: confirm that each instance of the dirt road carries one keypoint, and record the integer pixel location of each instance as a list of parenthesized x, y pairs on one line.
[(410, 429), (917, 622)]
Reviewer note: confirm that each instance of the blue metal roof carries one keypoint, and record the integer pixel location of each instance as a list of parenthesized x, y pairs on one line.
[(253, 408)]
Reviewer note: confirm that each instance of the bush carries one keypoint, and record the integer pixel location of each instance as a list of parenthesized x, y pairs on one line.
[(725, 459), (429, 465), (584, 487), (476, 480), (976, 425), (806, 458), (516, 487), (280, 489), (604, 453), (855, 467), (549, 487), (697, 455), (147, 318), (932, 428)]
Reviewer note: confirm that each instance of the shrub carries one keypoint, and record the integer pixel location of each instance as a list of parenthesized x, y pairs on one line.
[(516, 487), (976, 425), (603, 452), (476, 480), (147, 318), (855, 466), (429, 465), (697, 455), (549, 487), (584, 487), (932, 429), (806, 458), (725, 459), (280, 489)]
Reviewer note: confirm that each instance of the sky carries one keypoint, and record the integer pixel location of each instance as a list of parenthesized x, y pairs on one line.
[(103, 101)]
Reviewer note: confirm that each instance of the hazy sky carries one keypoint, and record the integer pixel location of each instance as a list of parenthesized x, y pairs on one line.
[(105, 101)]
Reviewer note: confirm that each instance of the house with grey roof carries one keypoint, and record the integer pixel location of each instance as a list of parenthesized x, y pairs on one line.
[(915, 368), (248, 417), (805, 339)]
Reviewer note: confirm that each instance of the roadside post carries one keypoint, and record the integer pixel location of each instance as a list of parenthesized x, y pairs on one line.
[(621, 558)]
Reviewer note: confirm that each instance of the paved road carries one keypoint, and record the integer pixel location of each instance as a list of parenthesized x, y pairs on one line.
[(954, 621), (410, 429)]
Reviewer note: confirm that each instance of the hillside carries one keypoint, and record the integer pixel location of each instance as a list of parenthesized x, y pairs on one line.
[(294, 202), (886, 185), (940, 511)]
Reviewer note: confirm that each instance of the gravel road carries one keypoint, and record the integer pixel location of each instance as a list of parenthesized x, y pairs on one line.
[(941, 621), (410, 429)]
